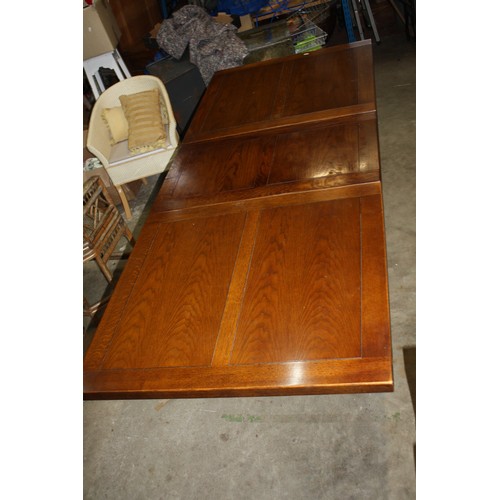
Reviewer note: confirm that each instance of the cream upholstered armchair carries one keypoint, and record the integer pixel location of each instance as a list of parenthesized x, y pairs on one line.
[(132, 131)]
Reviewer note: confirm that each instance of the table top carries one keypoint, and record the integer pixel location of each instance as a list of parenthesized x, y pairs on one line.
[(261, 269), (288, 93)]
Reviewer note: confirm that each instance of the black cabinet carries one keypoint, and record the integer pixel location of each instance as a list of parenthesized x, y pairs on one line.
[(184, 85)]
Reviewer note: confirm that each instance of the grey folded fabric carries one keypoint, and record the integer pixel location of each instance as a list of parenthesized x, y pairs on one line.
[(212, 46)]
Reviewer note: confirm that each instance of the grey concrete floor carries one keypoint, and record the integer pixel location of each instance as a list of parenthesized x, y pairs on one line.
[(302, 447)]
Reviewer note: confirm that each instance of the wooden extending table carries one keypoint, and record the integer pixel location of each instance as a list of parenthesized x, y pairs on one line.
[(261, 269)]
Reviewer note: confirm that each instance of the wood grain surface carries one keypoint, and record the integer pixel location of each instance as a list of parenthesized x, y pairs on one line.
[(261, 269), (324, 85), (302, 299)]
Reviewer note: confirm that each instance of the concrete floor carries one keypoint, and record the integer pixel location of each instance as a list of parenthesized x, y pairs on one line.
[(303, 447)]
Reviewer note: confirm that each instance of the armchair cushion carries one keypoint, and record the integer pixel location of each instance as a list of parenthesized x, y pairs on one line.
[(120, 152), (146, 131), (117, 123)]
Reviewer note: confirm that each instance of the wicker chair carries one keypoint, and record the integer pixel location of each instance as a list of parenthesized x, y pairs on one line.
[(103, 228), (126, 169)]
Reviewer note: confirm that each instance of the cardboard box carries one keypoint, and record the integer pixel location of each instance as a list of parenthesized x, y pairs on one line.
[(223, 18), (246, 21), (101, 33)]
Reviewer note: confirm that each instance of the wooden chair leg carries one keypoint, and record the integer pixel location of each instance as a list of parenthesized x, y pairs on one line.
[(126, 207), (128, 234), (91, 309), (104, 269)]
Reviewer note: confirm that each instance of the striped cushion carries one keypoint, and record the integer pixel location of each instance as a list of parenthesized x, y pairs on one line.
[(121, 154), (146, 131)]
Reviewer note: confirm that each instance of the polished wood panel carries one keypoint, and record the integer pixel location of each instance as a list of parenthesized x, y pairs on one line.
[(135, 18), (322, 189), (270, 95), (376, 321), (248, 105), (303, 292), (189, 265), (332, 151), (261, 269), (208, 169), (305, 97), (222, 352), (276, 379)]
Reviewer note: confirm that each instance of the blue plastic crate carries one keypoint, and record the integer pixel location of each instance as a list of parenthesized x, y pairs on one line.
[(240, 7)]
